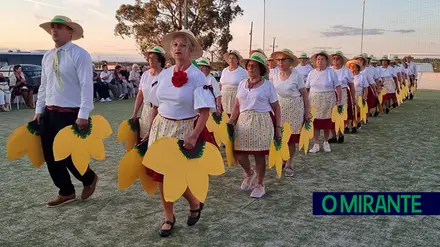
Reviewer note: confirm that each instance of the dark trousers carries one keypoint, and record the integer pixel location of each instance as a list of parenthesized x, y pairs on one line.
[(101, 89), (51, 122)]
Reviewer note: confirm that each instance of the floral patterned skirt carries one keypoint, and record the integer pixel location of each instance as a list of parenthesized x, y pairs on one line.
[(228, 98), (292, 112), (145, 119), (254, 132), (324, 103)]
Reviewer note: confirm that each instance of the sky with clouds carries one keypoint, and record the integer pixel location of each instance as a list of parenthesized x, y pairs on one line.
[(390, 26)]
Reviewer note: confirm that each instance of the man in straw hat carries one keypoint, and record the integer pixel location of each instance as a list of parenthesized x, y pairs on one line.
[(205, 66), (65, 97), (303, 68)]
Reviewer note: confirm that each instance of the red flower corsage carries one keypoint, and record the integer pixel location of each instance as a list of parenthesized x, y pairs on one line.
[(179, 79)]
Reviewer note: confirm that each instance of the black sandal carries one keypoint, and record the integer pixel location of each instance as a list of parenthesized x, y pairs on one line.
[(166, 233), (192, 220)]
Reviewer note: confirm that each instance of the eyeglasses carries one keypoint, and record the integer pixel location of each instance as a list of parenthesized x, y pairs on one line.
[(279, 60)]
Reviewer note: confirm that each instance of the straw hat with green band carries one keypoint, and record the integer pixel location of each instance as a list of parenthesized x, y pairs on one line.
[(258, 57), (157, 49), (373, 60), (258, 50), (234, 52), (395, 57), (340, 54), (363, 57), (385, 58), (324, 53), (78, 31), (203, 62), (303, 56), (288, 53)]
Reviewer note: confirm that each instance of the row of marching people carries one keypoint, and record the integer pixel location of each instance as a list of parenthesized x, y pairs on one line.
[(187, 116)]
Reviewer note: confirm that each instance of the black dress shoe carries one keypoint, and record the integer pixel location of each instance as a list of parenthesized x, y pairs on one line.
[(394, 105), (354, 130), (411, 96), (341, 139), (376, 113), (332, 140), (166, 233), (192, 220), (387, 110), (346, 130)]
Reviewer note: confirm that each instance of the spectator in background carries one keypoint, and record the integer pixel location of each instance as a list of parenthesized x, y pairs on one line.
[(5, 94), (20, 87), (108, 80), (120, 79), (135, 76), (99, 88)]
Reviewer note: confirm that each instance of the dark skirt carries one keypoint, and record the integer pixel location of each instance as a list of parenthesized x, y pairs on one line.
[(371, 99)]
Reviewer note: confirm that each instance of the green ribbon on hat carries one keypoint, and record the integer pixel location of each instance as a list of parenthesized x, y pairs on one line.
[(195, 63), (58, 20), (258, 59), (157, 50)]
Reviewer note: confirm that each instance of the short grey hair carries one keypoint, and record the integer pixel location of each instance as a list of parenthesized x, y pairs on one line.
[(188, 41)]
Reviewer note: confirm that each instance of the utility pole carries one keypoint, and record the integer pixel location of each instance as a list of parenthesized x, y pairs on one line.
[(273, 44), (250, 38), (363, 21), (264, 27), (185, 12)]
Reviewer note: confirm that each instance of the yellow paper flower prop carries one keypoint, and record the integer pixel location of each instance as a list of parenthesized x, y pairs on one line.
[(306, 133), (26, 140), (219, 126), (183, 168), (339, 115), (405, 91), (383, 92), (279, 149), (399, 97), (128, 133), (363, 109), (130, 169), (81, 144)]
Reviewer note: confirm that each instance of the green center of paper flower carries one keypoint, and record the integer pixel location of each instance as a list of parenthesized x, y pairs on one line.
[(134, 124), (308, 126), (279, 142), (340, 109), (84, 133), (142, 148), (230, 128), (34, 128), (217, 118), (194, 153)]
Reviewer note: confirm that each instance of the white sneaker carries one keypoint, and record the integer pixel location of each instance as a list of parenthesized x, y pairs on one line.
[(258, 191), (102, 100), (327, 147), (315, 149), (289, 172), (108, 100), (248, 181)]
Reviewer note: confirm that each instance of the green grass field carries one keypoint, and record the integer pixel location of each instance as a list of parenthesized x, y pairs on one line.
[(396, 152)]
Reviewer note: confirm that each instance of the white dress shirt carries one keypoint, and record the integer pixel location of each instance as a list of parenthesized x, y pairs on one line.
[(76, 74)]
